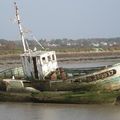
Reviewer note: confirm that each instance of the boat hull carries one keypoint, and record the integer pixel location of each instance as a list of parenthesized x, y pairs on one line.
[(104, 79)]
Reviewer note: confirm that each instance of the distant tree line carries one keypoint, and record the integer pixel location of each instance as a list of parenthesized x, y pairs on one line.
[(63, 45)]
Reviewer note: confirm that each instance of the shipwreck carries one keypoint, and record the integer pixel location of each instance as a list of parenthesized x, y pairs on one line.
[(40, 71)]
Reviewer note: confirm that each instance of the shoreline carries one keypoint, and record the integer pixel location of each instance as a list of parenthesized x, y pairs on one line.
[(68, 56), (82, 55)]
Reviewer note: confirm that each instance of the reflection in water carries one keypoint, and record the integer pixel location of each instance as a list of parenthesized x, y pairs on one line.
[(15, 111)]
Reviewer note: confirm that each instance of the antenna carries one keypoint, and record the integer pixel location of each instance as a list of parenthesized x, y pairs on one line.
[(34, 38), (20, 27)]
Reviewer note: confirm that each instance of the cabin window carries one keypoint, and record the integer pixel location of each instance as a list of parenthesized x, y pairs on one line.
[(49, 58), (53, 57), (43, 59)]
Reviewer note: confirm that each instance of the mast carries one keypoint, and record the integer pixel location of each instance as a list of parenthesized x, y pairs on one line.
[(20, 27)]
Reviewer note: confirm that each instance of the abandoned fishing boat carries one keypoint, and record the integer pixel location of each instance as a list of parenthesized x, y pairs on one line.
[(40, 71)]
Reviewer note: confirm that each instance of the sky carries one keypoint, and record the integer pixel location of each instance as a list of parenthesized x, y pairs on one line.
[(58, 19)]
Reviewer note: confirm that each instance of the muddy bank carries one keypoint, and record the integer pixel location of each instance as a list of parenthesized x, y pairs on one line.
[(71, 59), (73, 56), (89, 55)]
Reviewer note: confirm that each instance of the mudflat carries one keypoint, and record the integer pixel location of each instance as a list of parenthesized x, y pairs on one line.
[(13, 60)]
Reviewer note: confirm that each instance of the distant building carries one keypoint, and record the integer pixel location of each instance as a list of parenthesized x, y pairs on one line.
[(95, 44), (52, 45), (68, 44), (104, 43)]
